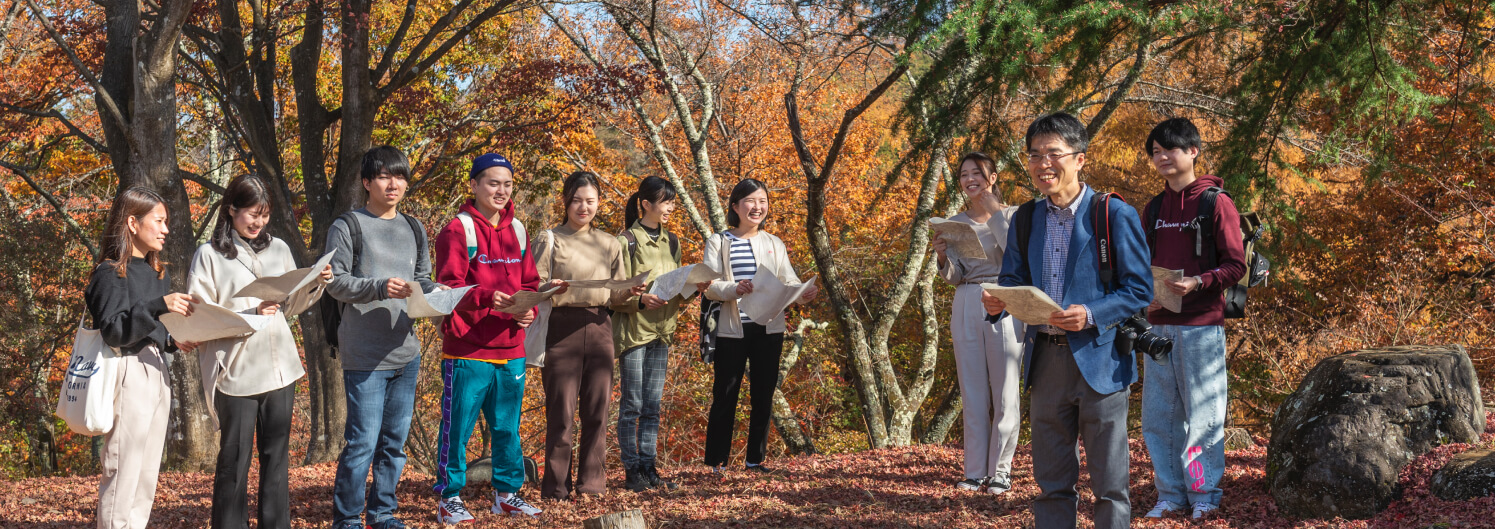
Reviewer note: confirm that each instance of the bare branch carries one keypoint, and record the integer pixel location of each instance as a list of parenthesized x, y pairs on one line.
[(83, 71), (57, 205)]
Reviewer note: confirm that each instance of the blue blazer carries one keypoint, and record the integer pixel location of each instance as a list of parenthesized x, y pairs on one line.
[(1105, 369)]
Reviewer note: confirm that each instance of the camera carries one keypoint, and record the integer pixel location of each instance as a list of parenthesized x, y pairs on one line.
[(1137, 331)]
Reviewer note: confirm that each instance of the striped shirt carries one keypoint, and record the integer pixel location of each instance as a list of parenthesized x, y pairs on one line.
[(744, 266)]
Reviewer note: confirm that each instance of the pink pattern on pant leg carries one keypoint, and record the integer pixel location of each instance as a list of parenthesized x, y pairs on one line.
[(1196, 468)]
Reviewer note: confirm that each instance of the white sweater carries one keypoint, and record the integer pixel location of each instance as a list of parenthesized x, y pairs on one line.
[(264, 361)]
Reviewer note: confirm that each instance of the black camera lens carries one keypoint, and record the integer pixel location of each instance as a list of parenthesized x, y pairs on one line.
[(1144, 340)]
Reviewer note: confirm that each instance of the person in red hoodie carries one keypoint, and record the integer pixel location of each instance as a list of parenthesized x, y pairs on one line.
[(482, 350), (1183, 393)]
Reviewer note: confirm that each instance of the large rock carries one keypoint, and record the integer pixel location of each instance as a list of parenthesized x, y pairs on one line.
[(1339, 441), (1467, 475)]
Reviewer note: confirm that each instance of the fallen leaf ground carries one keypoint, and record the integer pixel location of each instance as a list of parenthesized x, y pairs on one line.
[(894, 488)]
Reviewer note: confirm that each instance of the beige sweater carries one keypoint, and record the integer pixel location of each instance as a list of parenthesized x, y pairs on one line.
[(770, 253), (584, 254), (264, 361)]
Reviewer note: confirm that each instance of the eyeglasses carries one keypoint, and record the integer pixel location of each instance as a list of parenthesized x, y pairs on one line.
[(1052, 157)]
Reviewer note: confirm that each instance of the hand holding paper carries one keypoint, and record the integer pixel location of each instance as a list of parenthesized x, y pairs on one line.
[(682, 281), (1028, 304), (960, 236), (435, 304), (1161, 293), (211, 322), (297, 289), (524, 300), (770, 297)]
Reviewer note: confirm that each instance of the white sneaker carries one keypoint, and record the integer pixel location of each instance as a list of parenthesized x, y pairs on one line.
[(1201, 510), (514, 505), (1163, 508), (451, 511)]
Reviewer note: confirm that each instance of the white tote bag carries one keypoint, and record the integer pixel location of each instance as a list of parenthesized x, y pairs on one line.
[(534, 336), (86, 400)]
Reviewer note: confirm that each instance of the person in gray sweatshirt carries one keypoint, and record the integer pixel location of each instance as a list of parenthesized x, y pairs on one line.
[(376, 339)]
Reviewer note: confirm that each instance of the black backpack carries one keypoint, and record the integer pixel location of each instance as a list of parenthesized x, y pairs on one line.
[(332, 309), (1257, 265)]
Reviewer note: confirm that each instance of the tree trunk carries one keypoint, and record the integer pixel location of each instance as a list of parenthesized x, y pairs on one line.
[(633, 519), (785, 420), (139, 77), (944, 417)]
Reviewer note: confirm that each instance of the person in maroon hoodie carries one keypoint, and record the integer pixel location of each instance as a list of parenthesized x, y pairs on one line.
[(1183, 393), (482, 351)]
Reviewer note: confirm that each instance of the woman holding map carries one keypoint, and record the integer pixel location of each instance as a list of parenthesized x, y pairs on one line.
[(746, 255), (579, 338), (249, 382), (642, 327), (987, 357), (126, 296)]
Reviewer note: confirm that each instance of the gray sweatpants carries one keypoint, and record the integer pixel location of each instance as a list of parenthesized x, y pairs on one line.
[(1063, 408)]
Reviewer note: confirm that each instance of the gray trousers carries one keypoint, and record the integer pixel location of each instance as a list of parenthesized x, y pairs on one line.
[(1063, 408)]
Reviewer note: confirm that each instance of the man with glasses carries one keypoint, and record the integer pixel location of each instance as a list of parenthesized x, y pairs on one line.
[(1078, 380)]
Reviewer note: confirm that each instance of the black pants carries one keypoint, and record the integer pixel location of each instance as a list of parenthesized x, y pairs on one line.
[(733, 355), (242, 421)]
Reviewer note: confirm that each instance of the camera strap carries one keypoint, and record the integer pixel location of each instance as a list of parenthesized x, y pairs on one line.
[(1100, 218)]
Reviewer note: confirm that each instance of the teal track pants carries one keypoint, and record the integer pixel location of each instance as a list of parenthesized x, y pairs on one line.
[(497, 391)]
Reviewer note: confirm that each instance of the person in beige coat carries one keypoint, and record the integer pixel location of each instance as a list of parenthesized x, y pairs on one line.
[(249, 382), (742, 252)]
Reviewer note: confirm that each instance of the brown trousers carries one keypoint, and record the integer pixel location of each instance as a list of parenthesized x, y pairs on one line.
[(578, 363), (132, 448)]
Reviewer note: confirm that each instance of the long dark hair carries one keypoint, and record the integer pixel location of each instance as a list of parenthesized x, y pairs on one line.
[(244, 192), (653, 189), (119, 243), (745, 187), (576, 181)]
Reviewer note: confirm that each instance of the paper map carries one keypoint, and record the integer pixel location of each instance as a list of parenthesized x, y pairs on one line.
[(1028, 304), (682, 281), (1160, 291), (524, 300), (435, 304), (212, 322), (610, 284), (297, 290), (770, 297), (960, 236)]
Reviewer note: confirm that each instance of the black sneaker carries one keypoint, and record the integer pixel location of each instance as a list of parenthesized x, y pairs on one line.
[(652, 474), (997, 483), (637, 480), (973, 485), (389, 523), (758, 468)]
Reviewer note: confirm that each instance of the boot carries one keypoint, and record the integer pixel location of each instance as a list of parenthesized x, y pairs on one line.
[(655, 481), (636, 479)]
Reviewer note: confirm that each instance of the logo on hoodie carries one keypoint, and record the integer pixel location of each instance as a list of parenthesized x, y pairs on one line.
[(483, 258), (1192, 224)]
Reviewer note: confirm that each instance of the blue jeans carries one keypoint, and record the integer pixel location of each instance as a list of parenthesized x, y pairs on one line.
[(1183, 414), (642, 380), (379, 408)]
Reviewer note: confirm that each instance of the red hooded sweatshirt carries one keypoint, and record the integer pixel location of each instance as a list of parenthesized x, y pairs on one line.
[(1173, 249), (474, 330)]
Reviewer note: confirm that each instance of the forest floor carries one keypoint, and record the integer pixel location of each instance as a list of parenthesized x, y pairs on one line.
[(892, 488)]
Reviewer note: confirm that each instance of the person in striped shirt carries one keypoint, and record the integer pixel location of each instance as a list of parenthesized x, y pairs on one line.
[(743, 252)]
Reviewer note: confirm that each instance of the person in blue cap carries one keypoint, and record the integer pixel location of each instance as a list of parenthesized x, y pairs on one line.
[(482, 347)]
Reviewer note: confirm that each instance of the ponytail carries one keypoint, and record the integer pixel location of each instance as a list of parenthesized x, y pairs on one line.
[(654, 189)]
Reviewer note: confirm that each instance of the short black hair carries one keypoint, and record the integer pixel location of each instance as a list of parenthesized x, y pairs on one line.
[(384, 159), (1063, 125), (745, 187), (1175, 133)]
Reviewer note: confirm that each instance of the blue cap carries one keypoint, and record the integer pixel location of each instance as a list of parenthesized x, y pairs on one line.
[(486, 162)]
